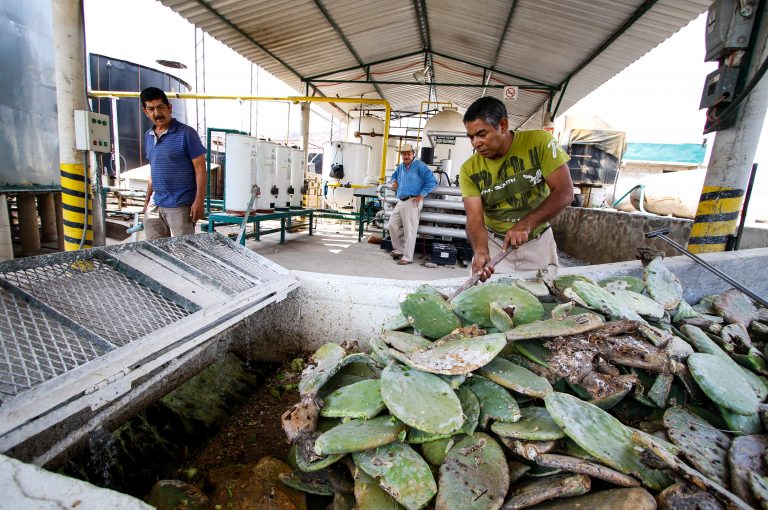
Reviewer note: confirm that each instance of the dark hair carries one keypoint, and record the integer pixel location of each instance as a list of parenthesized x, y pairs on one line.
[(151, 94), (489, 109)]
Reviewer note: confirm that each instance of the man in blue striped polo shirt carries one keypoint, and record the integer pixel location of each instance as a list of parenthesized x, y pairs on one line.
[(177, 179)]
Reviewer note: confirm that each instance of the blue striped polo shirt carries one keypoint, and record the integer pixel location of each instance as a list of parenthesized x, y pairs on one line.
[(170, 158)]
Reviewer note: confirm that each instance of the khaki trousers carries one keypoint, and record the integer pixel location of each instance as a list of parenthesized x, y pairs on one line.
[(403, 225), (162, 222), (535, 254)]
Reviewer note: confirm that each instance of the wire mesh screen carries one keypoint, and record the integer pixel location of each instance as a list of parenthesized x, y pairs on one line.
[(86, 287), (209, 265), (35, 348), (250, 263)]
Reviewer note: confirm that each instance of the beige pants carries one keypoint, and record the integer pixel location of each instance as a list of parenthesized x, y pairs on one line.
[(403, 225), (167, 222), (533, 255)]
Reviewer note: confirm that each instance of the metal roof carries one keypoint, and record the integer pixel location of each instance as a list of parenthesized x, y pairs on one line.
[(557, 51)]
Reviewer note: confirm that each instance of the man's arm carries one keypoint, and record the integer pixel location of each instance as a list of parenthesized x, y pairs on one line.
[(478, 236), (560, 196), (201, 179), (149, 193), (428, 183)]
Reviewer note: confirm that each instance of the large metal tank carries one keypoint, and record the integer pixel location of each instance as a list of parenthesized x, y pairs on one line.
[(282, 175), (297, 177), (249, 162), (29, 141), (371, 132), (109, 73), (265, 174), (445, 133), (355, 157)]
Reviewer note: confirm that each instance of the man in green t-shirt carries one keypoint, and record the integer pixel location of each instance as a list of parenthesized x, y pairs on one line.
[(514, 183)]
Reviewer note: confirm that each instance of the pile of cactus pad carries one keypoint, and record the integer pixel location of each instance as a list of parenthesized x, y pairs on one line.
[(550, 393)]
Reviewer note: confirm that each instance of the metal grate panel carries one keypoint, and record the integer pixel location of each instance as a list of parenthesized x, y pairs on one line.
[(210, 266), (250, 263), (35, 348), (85, 287)]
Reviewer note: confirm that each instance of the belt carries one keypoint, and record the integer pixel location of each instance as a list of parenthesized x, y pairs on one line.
[(531, 238), (407, 197)]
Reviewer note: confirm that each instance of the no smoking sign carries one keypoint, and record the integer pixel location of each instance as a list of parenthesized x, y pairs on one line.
[(510, 92)]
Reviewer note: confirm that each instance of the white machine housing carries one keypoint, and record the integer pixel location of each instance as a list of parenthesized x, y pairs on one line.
[(282, 175), (296, 191), (445, 133), (249, 162)]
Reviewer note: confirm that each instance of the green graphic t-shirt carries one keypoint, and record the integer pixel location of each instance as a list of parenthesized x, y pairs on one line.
[(513, 185)]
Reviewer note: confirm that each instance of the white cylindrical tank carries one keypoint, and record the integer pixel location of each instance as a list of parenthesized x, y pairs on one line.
[(445, 133), (297, 177), (265, 174), (354, 157), (371, 131), (282, 175), (240, 173)]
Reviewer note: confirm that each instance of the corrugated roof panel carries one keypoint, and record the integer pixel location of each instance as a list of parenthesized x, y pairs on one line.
[(547, 40)]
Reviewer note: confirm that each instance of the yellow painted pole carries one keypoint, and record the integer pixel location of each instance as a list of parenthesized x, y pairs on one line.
[(293, 99)]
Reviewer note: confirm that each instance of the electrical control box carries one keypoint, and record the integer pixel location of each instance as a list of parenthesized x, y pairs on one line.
[(92, 132), (719, 87), (729, 24)]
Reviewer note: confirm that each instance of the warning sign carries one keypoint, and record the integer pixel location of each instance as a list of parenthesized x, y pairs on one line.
[(510, 92), (445, 140)]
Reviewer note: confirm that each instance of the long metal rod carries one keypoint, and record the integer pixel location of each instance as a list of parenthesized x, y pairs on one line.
[(661, 235), (744, 207)]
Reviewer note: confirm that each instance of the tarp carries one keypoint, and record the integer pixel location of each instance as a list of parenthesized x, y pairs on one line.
[(612, 142), (692, 153)]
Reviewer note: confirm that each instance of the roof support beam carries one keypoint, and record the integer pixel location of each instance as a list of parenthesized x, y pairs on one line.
[(346, 42), (473, 85), (363, 66), (497, 71), (618, 33), (504, 33)]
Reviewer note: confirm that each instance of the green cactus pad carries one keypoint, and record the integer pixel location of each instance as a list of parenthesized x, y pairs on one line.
[(659, 392), (550, 328), (759, 486), (741, 425), (684, 495), (429, 314), (305, 457), (567, 280), (359, 400), (370, 496), (326, 362), (473, 305), (602, 436), (500, 318), (605, 302), (536, 287), (662, 284), (644, 306), (723, 383), (496, 403), (531, 492), (532, 350), (396, 322), (703, 445), (516, 378), (311, 483), (684, 311), (733, 306), (455, 356), (744, 457), (359, 435), (404, 342), (471, 408), (401, 472), (630, 283), (534, 425), (633, 498), (474, 475), (435, 451), (421, 400)]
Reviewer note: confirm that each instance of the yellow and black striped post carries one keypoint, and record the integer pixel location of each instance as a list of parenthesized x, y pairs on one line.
[(716, 219), (74, 192)]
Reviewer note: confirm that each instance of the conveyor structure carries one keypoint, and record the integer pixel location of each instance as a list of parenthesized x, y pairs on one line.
[(89, 337)]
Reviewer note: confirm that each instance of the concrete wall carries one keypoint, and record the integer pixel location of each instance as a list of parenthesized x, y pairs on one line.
[(601, 236)]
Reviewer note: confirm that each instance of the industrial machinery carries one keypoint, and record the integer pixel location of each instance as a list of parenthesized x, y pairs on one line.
[(282, 176), (345, 166), (250, 162), (297, 188)]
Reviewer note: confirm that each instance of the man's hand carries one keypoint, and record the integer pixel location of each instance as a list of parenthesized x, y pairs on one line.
[(394, 185), (517, 235), (196, 211), (417, 199), (478, 266)]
